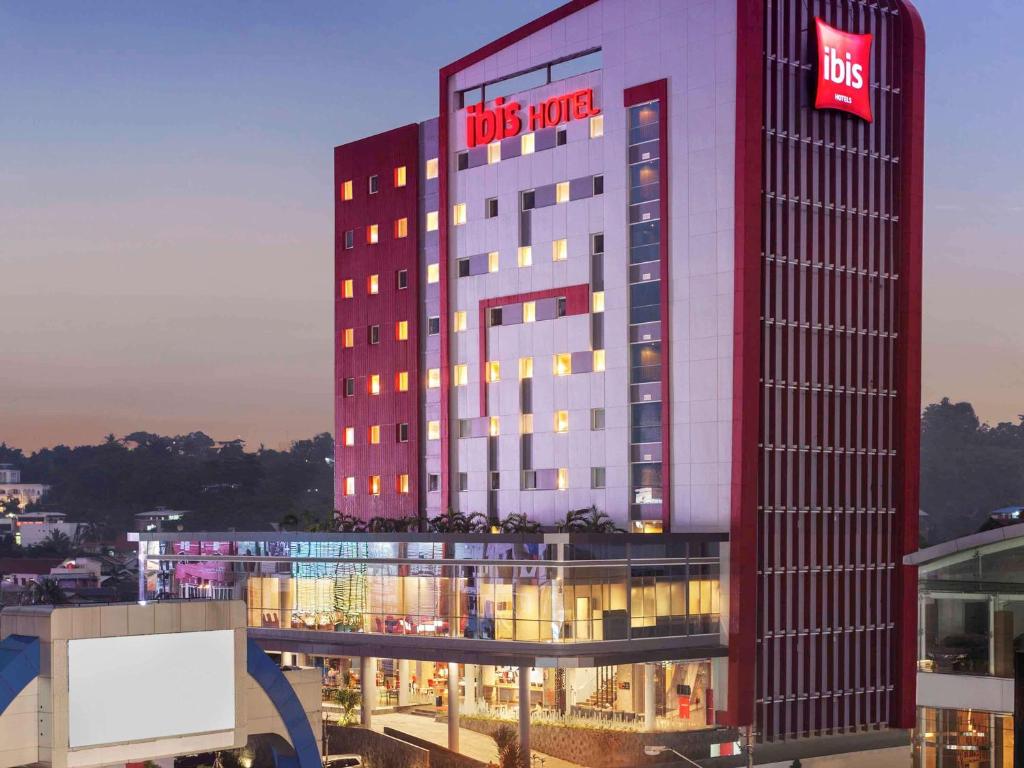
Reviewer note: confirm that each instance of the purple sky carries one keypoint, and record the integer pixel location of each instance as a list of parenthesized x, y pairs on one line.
[(166, 193)]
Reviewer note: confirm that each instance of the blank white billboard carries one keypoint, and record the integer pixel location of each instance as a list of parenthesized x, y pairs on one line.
[(145, 687)]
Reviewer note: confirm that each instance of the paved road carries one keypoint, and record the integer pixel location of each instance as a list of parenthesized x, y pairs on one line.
[(471, 743)]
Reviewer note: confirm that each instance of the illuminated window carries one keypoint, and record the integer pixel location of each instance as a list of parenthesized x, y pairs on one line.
[(349, 338), (400, 172), (562, 192), (459, 214), (495, 426), (529, 311), (492, 261), (493, 371), (346, 289), (373, 384), (560, 250), (563, 479), (373, 285), (598, 360), (526, 144), (432, 168), (433, 430), (460, 374), (561, 421), (494, 152), (525, 367), (401, 227), (597, 302), (402, 483), (346, 190), (374, 184), (350, 486), (525, 255), (402, 381), (350, 436), (563, 364), (459, 321), (373, 486), (433, 378), (431, 221), (373, 434), (526, 424), (596, 126), (402, 330), (372, 234), (433, 273)]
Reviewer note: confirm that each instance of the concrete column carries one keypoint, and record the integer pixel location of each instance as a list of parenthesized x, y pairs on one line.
[(453, 706), (421, 676), (368, 689), (403, 682), (469, 685), (570, 689), (650, 698), (524, 712)]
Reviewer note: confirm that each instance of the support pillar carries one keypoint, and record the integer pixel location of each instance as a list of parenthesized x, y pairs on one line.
[(524, 712), (367, 689), (421, 677), (469, 685), (453, 706), (650, 698), (403, 682)]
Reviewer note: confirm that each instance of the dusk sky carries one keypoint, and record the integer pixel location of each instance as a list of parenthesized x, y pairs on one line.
[(166, 203)]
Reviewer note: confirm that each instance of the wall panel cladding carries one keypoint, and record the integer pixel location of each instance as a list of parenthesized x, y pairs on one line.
[(834, 251), (377, 155)]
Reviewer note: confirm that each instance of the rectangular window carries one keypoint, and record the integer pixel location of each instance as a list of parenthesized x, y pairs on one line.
[(494, 152), (431, 221), (346, 190), (433, 273), (433, 430), (402, 330), (402, 432), (597, 302), (490, 207), (529, 311), (597, 477), (433, 325), (525, 255), (348, 338), (599, 185), (527, 199), (374, 184), (459, 321), (563, 479), (346, 289), (463, 481), (493, 371), (460, 375), (350, 387), (526, 424), (597, 419), (431, 169), (465, 428), (350, 486), (495, 481), (525, 367), (373, 434), (433, 378), (563, 364), (561, 421), (373, 384), (560, 137), (462, 161), (372, 234), (350, 239), (402, 279), (495, 426), (462, 267), (561, 303), (402, 484), (459, 214), (529, 480), (350, 436), (560, 250), (433, 483), (494, 316), (400, 173), (373, 285), (402, 381), (492, 261), (597, 242), (373, 485), (598, 360), (527, 144), (562, 192), (596, 126), (373, 334), (401, 227)]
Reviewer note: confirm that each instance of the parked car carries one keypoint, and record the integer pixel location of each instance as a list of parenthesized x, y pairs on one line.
[(1002, 518), (343, 761)]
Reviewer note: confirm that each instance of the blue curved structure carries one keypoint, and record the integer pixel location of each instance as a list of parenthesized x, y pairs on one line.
[(19, 666), (273, 682)]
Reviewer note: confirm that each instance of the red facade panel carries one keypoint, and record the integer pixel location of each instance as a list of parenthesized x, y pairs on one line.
[(391, 458)]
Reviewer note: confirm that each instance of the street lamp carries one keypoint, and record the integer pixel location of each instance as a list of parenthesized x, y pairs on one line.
[(652, 750)]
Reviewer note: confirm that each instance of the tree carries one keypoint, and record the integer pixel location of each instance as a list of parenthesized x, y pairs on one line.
[(44, 592), (57, 543), (517, 522), (510, 753)]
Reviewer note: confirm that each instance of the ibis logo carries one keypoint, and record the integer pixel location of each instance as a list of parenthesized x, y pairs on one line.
[(844, 71)]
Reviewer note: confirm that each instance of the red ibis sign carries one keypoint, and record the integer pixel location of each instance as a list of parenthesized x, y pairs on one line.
[(844, 71), (505, 119)]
